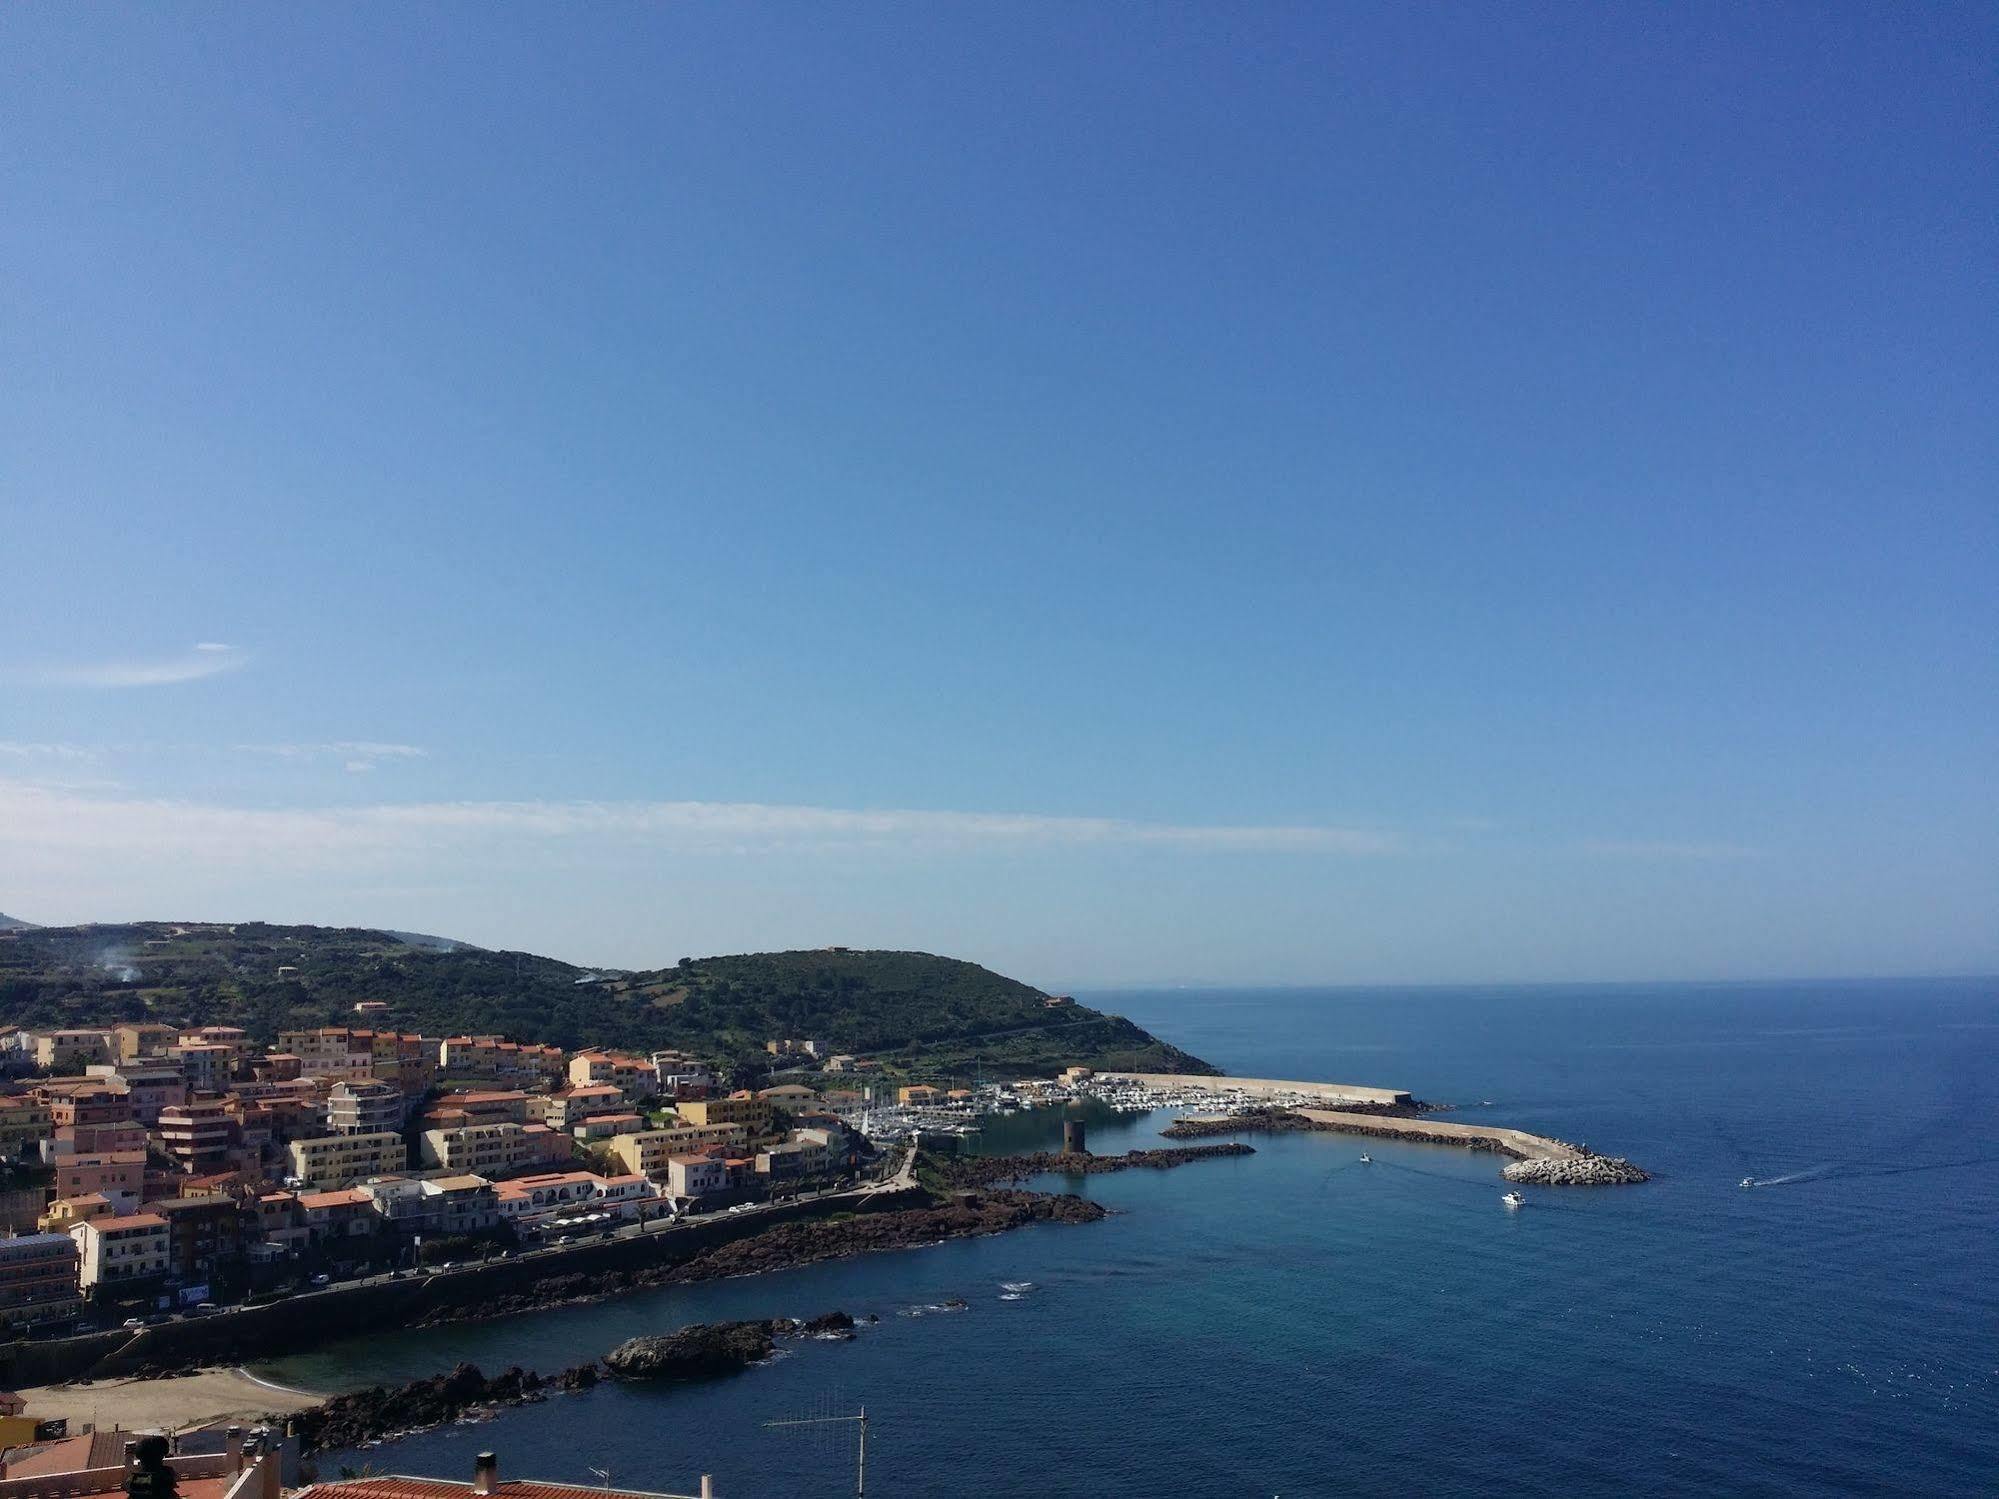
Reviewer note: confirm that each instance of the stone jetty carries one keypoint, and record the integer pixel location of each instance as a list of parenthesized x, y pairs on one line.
[(1536, 1158)]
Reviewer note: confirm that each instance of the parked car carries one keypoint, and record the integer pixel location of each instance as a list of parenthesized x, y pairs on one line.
[(322, 1280), (134, 1322)]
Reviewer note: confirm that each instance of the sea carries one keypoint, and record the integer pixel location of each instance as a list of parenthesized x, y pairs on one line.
[(1297, 1323)]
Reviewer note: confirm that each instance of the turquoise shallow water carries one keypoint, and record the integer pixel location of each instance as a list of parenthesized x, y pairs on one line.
[(1294, 1323)]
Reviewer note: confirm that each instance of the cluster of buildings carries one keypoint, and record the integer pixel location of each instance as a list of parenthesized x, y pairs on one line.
[(150, 1164)]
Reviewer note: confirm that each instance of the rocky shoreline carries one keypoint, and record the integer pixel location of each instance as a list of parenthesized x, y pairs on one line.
[(793, 1244), (978, 1171), (704, 1350)]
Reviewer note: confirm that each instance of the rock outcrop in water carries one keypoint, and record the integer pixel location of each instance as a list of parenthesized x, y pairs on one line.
[(701, 1351), (1578, 1171), (371, 1414)]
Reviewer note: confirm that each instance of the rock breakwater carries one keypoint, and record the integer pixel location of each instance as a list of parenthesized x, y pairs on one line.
[(1584, 1170), (975, 1171)]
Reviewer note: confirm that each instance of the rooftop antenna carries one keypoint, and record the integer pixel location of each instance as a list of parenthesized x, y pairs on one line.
[(860, 1452)]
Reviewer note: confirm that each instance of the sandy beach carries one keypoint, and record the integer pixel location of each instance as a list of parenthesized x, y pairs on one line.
[(205, 1398)]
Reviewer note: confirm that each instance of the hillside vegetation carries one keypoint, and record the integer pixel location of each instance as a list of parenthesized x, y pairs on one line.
[(913, 1011)]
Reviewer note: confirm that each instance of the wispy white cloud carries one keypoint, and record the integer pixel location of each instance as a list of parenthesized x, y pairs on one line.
[(358, 756), (208, 658), (52, 819), (15, 749), (1641, 848)]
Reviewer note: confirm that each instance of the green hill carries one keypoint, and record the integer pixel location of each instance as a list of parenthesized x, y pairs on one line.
[(913, 1011)]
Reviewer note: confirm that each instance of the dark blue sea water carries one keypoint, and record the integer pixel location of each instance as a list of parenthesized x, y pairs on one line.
[(1295, 1324)]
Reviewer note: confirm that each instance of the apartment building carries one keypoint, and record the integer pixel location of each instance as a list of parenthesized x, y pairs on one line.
[(754, 1114), (94, 1139), (38, 1279), (71, 1051), (334, 1161), (119, 1175), (141, 1040), (634, 1077), (199, 1136), (116, 1254), (366, 1106), (695, 1175), (566, 1110), (648, 1152), (207, 1065), (85, 1101), (24, 1123), (600, 1127), (490, 1058), (149, 1086), (484, 1149), (460, 1204), (331, 1052), (202, 1231), (496, 1106)]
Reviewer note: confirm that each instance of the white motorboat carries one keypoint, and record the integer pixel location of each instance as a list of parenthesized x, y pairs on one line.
[(1366, 1159), (1514, 1200), (1748, 1181)]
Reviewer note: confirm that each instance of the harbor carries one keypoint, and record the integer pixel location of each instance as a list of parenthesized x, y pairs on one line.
[(951, 1119)]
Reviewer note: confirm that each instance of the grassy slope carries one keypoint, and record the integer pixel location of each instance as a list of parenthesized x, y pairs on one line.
[(913, 1010)]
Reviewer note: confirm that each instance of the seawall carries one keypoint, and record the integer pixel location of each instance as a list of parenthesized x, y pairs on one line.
[(1265, 1087), (313, 1317), (1537, 1159)]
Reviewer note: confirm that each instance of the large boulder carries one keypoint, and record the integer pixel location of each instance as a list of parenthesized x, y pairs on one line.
[(696, 1352)]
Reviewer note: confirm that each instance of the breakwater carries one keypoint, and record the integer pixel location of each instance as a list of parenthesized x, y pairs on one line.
[(1536, 1158), (1264, 1121), (973, 1171)]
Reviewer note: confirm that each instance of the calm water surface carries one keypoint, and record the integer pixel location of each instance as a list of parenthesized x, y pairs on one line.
[(1294, 1323)]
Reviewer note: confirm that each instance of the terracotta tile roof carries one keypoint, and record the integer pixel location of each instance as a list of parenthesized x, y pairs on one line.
[(333, 1199), (444, 1488), (128, 1220)]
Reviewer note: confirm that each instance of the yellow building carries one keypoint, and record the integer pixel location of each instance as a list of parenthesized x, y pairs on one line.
[(24, 1124), (920, 1093), (648, 1152), (333, 1161), (738, 1108), (69, 1052)]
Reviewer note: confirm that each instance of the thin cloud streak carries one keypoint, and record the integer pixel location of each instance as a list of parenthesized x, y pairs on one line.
[(356, 756), (46, 819), (1611, 848), (209, 658)]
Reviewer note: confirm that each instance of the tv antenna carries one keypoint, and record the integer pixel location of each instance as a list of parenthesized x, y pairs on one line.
[(860, 1452)]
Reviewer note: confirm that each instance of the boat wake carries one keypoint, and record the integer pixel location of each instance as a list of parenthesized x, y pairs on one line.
[(1810, 1173), (1845, 1173)]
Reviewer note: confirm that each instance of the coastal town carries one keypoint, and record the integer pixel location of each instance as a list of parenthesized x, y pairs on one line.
[(182, 1199), (156, 1172)]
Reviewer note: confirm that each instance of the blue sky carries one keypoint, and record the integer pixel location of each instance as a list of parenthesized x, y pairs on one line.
[(1271, 494)]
